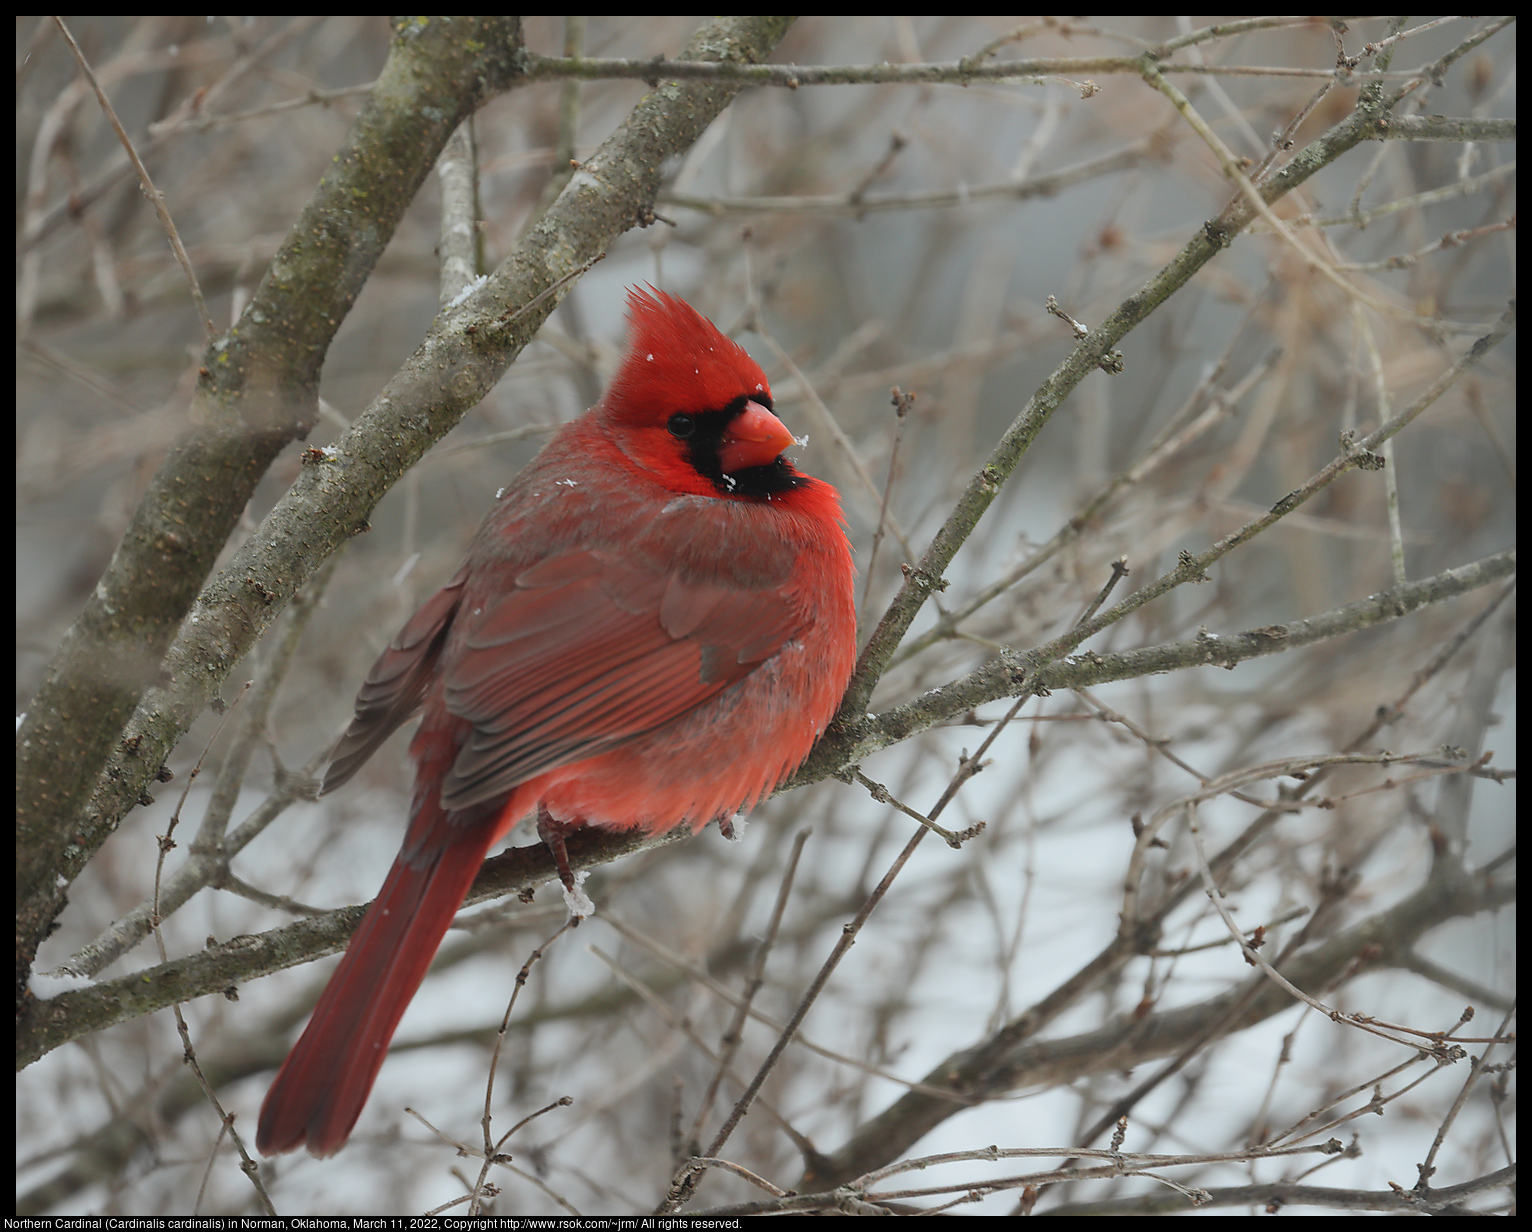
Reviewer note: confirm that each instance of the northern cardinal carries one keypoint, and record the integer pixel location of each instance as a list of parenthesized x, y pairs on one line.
[(650, 630)]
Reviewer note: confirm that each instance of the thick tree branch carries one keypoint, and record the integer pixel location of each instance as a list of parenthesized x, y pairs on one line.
[(257, 393)]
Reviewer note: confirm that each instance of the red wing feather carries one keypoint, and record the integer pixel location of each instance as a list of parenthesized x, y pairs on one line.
[(397, 683), (585, 652)]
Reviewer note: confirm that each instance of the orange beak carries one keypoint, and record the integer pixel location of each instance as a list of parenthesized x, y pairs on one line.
[(754, 437)]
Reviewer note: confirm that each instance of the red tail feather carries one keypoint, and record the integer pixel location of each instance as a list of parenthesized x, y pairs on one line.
[(319, 1091)]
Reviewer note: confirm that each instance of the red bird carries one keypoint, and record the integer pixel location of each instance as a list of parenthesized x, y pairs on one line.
[(650, 630)]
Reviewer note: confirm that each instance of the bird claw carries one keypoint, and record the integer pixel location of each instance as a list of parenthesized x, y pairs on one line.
[(552, 832)]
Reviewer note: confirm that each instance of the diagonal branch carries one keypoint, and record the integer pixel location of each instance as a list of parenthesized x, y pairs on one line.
[(256, 394)]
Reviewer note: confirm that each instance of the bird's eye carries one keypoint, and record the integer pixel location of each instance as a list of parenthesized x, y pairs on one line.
[(681, 426)]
